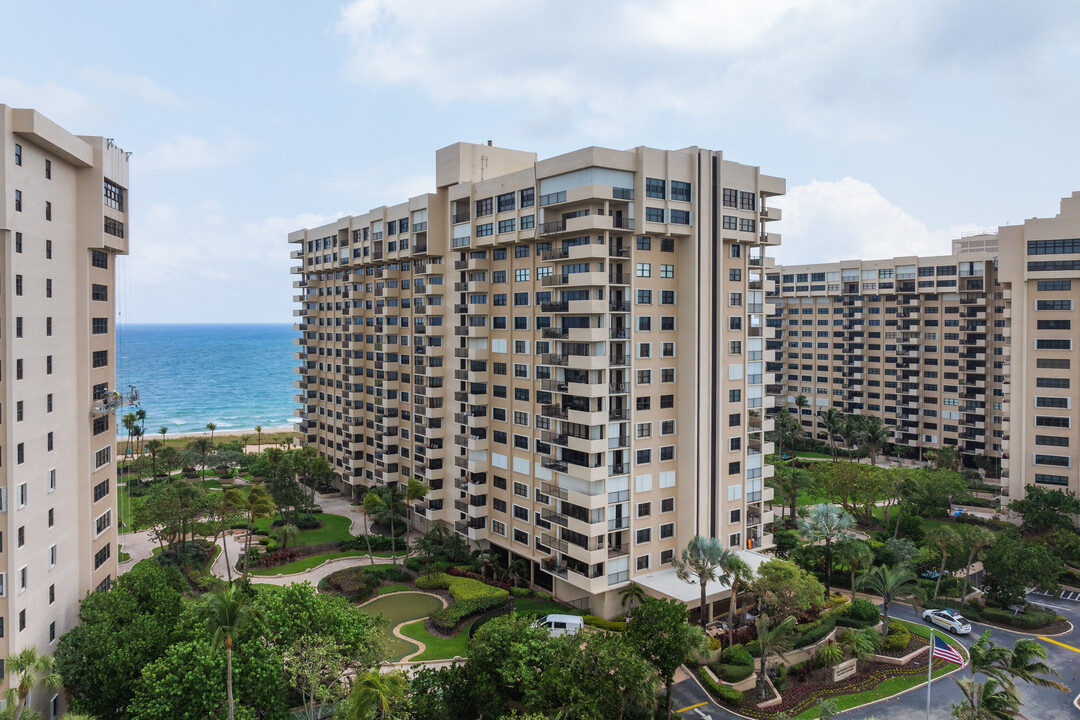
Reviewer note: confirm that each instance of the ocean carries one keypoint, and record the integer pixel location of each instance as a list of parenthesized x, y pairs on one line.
[(235, 376)]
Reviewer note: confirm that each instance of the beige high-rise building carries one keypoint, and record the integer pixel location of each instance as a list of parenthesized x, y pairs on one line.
[(63, 222), (973, 349), (1039, 266), (570, 352), (916, 341)]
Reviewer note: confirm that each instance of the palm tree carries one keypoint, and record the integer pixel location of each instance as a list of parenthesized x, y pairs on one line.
[(852, 432), (162, 431), (875, 436), (284, 533), (1024, 662), (826, 523), (152, 447), (703, 558), (128, 421), (376, 690), (787, 427), (140, 418), (373, 504), (738, 573), (944, 458), (856, 555), (632, 593), (859, 644), (28, 669), (258, 505), (833, 420), (829, 653), (772, 642), (230, 502), (414, 490), (486, 559), (989, 700), (941, 538), (202, 446), (890, 583), (227, 613), (976, 538), (211, 427), (258, 434)]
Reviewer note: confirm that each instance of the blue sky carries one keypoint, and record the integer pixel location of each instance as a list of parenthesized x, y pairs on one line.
[(897, 124)]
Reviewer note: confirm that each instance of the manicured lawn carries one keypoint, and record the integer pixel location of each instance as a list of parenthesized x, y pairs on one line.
[(305, 563), (387, 589), (895, 685), (927, 523), (335, 529), (124, 557), (544, 607), (437, 648), (813, 455)]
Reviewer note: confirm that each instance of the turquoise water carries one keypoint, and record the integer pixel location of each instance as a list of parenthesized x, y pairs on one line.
[(236, 376)]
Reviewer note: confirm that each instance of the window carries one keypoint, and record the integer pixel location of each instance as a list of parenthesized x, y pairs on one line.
[(23, 496), (48, 250), (99, 292), (52, 517), (521, 274), (528, 197), (505, 202), (101, 424), (114, 195), (18, 285), (730, 222), (643, 536), (18, 201), (48, 364), (24, 582), (48, 210), (1053, 247), (51, 476), (103, 522), (643, 562), (48, 169), (101, 358), (506, 226), (1053, 304), (644, 243), (654, 214), (644, 297), (18, 369), (18, 154), (747, 201), (19, 411), (520, 536), (101, 556), (18, 242), (747, 224), (52, 556), (680, 191), (667, 530), (18, 327), (99, 259), (644, 509), (484, 207), (667, 271), (654, 188), (528, 222), (643, 457), (644, 270), (100, 326), (485, 230), (102, 457), (679, 217), (20, 454), (48, 287), (48, 327), (114, 227)]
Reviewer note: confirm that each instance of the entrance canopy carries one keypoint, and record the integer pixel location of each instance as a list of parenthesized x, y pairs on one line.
[(666, 584)]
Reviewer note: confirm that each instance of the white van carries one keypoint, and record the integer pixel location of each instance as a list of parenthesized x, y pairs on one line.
[(561, 624)]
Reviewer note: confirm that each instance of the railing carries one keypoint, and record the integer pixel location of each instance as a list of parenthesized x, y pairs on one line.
[(553, 490), (623, 223), (554, 226), (553, 464)]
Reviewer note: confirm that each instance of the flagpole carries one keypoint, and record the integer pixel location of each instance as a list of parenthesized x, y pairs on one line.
[(929, 673)]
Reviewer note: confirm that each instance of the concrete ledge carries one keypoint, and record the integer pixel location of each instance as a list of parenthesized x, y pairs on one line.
[(889, 660)]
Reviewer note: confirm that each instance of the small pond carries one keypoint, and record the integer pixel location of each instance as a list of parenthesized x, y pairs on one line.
[(399, 608)]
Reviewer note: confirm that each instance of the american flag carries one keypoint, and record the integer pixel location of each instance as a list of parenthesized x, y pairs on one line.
[(944, 651)]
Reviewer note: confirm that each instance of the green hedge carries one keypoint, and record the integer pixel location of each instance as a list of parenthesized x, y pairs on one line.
[(898, 639), (1032, 619), (723, 693), (814, 632), (599, 622), (736, 655), (520, 592), (470, 597), (864, 611), (735, 673), (753, 648)]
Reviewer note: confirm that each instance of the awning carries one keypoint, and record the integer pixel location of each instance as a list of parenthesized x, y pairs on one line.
[(666, 583)]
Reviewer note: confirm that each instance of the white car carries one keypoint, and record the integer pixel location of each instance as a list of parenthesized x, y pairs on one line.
[(956, 624), (561, 624)]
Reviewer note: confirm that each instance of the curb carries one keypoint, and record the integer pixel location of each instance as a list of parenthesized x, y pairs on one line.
[(963, 651)]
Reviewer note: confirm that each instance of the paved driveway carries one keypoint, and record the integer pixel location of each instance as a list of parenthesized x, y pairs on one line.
[(1038, 703)]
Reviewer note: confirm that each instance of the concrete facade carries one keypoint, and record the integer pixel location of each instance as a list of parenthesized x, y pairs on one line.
[(63, 222), (570, 352)]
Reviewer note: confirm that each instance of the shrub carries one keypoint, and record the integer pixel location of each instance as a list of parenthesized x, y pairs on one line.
[(753, 648), (898, 639), (470, 597), (715, 643), (864, 611), (379, 543), (818, 630), (736, 673), (736, 655), (412, 563), (723, 693), (520, 591), (599, 622), (781, 677), (1031, 619)]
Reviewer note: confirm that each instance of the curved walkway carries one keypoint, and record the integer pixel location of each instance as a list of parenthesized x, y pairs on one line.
[(396, 630)]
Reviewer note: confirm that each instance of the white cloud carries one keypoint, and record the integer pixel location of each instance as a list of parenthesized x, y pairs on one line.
[(828, 221), (194, 262), (826, 68), (128, 83), (68, 108), (186, 152)]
